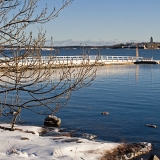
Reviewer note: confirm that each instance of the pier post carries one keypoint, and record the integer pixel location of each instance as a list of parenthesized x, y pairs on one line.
[(137, 54)]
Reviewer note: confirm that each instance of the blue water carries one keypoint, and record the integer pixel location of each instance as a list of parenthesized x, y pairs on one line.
[(131, 95), (114, 52)]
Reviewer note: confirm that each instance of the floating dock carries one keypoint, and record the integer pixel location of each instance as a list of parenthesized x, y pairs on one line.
[(146, 62)]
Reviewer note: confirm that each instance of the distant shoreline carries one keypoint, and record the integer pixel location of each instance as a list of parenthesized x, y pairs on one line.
[(78, 47)]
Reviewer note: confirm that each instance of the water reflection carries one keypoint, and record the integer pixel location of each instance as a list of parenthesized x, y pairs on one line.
[(137, 70)]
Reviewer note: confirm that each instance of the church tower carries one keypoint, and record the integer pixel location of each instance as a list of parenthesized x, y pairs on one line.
[(151, 40)]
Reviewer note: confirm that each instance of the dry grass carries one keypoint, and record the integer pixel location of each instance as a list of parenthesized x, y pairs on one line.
[(124, 152)]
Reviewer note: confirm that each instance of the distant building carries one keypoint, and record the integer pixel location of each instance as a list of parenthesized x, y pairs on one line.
[(152, 45), (142, 45)]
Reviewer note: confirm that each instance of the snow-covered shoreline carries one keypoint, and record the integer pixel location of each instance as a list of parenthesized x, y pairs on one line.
[(26, 143)]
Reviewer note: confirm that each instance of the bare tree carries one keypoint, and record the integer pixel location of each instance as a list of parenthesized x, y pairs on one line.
[(27, 79)]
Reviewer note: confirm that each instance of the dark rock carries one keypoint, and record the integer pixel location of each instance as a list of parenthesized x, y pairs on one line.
[(153, 157), (57, 134), (62, 130), (105, 113), (53, 121), (24, 138), (151, 125), (89, 136), (71, 140), (29, 132)]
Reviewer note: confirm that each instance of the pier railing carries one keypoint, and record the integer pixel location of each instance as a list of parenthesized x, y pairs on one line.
[(66, 60), (119, 58), (94, 58)]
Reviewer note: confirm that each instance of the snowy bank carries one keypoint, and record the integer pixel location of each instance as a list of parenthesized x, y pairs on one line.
[(26, 143)]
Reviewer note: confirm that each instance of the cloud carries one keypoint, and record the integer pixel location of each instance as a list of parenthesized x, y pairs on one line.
[(71, 42)]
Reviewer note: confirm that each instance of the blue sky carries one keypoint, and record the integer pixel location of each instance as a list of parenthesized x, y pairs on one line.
[(103, 22)]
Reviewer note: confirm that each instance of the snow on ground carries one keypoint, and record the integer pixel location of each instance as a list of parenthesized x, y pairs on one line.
[(21, 145)]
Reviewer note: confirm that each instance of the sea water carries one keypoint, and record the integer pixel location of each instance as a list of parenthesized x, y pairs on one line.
[(130, 93), (131, 96)]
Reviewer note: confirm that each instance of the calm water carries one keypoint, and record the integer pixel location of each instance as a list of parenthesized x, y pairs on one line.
[(131, 95)]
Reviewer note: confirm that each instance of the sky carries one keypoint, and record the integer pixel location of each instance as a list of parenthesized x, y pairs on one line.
[(103, 22)]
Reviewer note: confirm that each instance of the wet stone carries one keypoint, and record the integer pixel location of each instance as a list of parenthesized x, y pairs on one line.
[(52, 121)]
